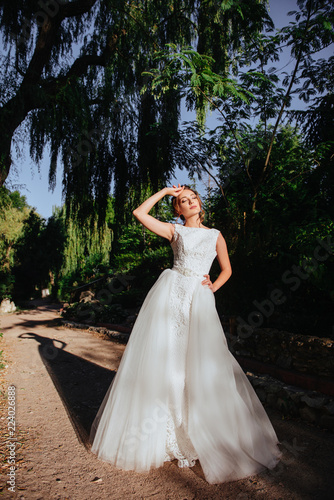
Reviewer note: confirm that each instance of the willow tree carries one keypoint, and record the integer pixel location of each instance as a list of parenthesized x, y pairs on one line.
[(71, 79)]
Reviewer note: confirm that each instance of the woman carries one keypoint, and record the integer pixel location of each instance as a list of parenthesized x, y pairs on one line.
[(179, 393)]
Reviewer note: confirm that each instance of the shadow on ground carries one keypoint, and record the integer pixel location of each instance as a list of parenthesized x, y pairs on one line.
[(81, 384), (308, 460), (22, 322)]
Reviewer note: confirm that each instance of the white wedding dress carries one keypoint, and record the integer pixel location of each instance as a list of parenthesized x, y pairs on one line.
[(179, 393)]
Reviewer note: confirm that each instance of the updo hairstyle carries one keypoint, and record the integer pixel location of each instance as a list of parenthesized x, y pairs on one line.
[(176, 204)]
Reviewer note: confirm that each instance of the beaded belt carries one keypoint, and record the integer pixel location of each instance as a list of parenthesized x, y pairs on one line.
[(185, 271)]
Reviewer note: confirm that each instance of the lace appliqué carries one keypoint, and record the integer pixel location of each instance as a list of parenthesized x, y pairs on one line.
[(188, 456), (194, 251), (179, 302)]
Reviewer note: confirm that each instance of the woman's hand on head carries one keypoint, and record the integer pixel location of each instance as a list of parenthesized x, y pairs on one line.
[(164, 229), (174, 190)]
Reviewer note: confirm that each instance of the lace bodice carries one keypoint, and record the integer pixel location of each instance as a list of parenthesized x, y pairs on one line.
[(194, 249)]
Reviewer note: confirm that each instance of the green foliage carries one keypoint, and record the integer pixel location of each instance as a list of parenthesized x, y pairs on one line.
[(31, 258), (86, 249), (13, 212), (291, 217), (90, 110), (117, 118), (89, 269), (274, 183), (7, 281), (256, 92), (85, 240), (187, 66)]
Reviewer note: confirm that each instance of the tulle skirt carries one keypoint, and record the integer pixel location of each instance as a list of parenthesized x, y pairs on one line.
[(222, 418)]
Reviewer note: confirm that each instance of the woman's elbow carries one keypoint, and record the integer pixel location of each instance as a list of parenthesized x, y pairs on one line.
[(138, 214)]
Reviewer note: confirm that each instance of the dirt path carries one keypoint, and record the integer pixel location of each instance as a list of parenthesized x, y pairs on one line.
[(61, 377)]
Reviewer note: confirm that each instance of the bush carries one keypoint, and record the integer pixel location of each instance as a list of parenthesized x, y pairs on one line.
[(7, 281), (91, 269)]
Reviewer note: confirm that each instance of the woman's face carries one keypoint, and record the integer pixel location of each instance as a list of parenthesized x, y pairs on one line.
[(188, 204)]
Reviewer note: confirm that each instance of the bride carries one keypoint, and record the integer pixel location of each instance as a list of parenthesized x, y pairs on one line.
[(179, 393)]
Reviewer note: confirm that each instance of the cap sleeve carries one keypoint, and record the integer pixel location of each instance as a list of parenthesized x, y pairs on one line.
[(176, 232)]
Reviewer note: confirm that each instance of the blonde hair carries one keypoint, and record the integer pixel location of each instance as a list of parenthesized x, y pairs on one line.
[(176, 204)]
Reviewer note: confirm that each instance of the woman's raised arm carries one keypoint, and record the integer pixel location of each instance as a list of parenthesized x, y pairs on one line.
[(141, 213)]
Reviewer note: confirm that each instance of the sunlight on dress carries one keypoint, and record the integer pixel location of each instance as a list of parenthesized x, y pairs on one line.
[(179, 393)]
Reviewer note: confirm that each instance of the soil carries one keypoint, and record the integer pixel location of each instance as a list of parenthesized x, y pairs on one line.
[(60, 377)]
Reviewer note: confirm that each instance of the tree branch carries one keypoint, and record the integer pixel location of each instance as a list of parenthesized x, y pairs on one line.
[(233, 133), (287, 94), (46, 38), (219, 186), (187, 152), (80, 65), (77, 8)]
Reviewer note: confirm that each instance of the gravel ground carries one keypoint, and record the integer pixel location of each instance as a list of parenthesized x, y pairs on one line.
[(61, 376)]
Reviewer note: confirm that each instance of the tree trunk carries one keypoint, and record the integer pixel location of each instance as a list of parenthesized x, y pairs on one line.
[(12, 114), (5, 160), (7, 261), (33, 89)]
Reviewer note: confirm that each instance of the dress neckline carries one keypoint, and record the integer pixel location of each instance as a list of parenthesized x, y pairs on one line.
[(189, 227)]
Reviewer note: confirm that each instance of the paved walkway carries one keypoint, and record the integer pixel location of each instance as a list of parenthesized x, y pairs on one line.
[(61, 376)]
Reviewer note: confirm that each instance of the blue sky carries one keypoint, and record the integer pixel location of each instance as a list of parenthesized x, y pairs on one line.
[(33, 183)]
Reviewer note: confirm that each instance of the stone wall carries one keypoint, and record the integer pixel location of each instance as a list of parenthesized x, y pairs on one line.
[(292, 401), (302, 353)]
